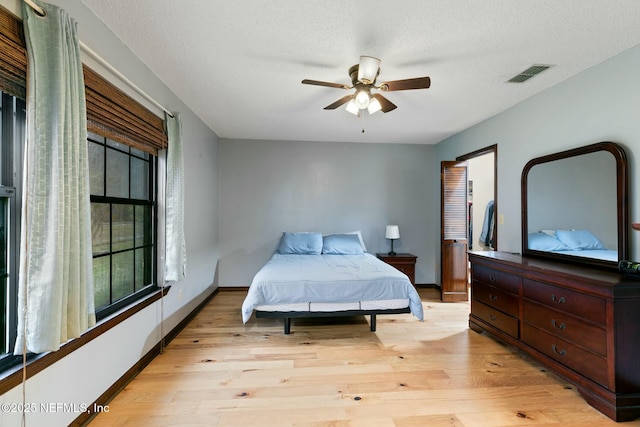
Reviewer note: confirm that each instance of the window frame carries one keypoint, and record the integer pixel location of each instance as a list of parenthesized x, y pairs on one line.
[(151, 201), (12, 145)]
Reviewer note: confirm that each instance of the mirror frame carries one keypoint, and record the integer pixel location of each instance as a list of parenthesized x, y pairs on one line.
[(622, 196)]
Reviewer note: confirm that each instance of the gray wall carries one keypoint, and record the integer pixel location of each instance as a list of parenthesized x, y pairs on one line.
[(267, 187), (599, 104)]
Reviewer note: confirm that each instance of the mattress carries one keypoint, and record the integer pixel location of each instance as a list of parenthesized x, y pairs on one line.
[(329, 283), (336, 306)]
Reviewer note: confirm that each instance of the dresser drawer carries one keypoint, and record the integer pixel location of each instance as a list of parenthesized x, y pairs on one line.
[(495, 298), (499, 279), (500, 320), (582, 305), (585, 363), (585, 335)]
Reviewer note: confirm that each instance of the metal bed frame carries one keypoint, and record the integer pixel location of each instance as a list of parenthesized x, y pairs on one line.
[(288, 315)]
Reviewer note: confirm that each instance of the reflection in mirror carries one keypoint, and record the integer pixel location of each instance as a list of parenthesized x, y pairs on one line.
[(574, 205), (586, 215)]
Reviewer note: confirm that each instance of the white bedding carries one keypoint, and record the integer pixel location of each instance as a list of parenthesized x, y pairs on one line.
[(329, 283)]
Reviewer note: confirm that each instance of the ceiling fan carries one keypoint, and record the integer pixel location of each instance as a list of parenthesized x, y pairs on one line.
[(363, 80)]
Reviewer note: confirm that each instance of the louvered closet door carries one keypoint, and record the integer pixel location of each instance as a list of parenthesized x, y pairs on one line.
[(454, 231)]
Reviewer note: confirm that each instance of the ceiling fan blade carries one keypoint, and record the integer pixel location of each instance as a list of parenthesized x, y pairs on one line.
[(339, 102), (327, 84), (417, 83), (384, 102)]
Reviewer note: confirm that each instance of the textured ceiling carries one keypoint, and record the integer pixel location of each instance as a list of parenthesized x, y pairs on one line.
[(238, 64)]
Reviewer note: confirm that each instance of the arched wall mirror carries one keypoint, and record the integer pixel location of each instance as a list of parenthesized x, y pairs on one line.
[(575, 206)]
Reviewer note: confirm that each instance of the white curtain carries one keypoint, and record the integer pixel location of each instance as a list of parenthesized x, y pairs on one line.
[(55, 301), (175, 253)]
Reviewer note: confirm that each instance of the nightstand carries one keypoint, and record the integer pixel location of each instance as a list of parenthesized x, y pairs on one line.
[(403, 262)]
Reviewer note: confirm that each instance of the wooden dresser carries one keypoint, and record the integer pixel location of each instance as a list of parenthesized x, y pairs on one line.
[(582, 323)]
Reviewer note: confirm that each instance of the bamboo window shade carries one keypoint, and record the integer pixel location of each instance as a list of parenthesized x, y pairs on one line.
[(13, 56), (110, 111)]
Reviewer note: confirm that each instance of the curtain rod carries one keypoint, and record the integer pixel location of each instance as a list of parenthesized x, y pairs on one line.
[(40, 11)]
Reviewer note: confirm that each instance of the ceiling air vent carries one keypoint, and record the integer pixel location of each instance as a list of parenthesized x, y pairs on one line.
[(528, 73)]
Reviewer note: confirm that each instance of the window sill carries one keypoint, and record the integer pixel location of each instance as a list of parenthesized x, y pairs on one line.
[(13, 376)]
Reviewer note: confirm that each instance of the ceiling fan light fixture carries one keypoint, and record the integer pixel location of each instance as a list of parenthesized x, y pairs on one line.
[(363, 79), (362, 99), (374, 106), (368, 69), (352, 108)]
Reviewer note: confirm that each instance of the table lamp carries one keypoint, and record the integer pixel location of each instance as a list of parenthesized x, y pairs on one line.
[(392, 233)]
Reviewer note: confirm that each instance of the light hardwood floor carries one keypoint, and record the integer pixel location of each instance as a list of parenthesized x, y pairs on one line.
[(335, 372)]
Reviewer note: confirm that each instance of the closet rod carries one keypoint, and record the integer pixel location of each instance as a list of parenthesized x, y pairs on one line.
[(86, 49)]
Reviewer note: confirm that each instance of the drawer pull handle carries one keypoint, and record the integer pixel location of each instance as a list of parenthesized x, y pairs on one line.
[(560, 326), (559, 353), (493, 297), (557, 300), (492, 278), (492, 317)]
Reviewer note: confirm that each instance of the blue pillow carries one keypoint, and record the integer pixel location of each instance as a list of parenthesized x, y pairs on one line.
[(342, 244), (300, 243), (579, 240), (544, 242)]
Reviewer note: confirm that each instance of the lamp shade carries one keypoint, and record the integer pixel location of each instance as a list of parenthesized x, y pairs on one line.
[(368, 69), (352, 107), (392, 232), (374, 106)]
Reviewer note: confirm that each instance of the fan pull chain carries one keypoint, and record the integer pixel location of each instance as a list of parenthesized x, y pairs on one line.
[(362, 115)]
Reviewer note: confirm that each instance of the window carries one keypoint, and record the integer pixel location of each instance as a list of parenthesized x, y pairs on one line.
[(12, 131), (122, 181), (122, 222), (123, 187)]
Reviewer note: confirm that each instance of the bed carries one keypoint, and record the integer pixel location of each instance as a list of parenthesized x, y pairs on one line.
[(582, 243), (312, 275)]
